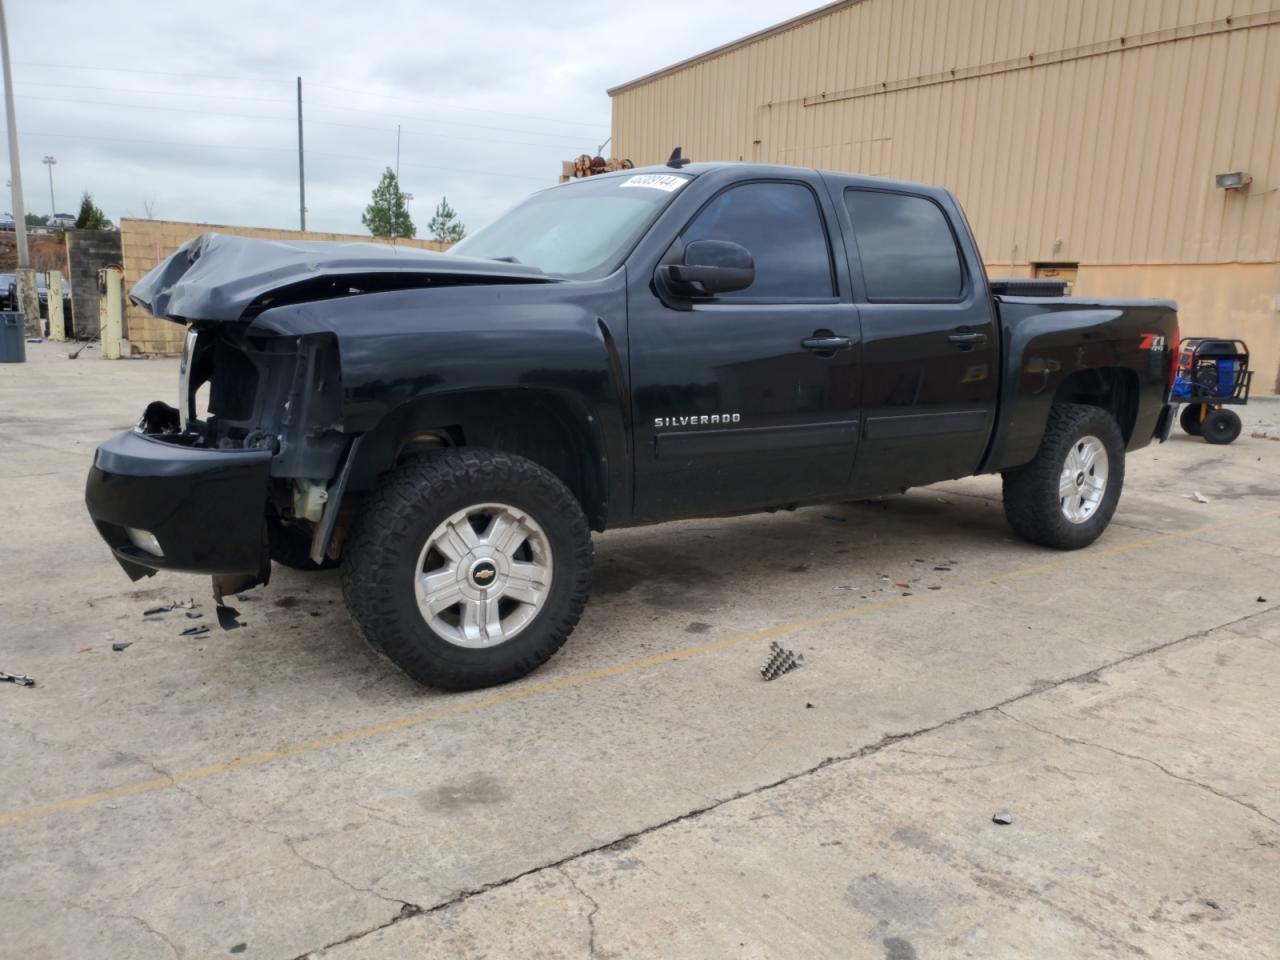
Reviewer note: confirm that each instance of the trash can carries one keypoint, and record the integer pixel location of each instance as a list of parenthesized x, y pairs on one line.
[(13, 337)]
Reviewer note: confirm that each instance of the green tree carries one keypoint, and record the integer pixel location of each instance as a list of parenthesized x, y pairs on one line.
[(91, 216), (35, 220), (387, 215), (445, 225)]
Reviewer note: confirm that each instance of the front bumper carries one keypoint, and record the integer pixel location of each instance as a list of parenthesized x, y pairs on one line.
[(205, 508)]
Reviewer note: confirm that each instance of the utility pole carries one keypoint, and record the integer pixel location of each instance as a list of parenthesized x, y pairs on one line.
[(53, 205), (26, 279), (302, 179), (397, 154)]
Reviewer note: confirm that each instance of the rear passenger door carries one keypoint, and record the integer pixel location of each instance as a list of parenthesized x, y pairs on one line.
[(929, 340)]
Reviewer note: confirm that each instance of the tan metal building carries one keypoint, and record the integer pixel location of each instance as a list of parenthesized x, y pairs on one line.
[(1083, 137)]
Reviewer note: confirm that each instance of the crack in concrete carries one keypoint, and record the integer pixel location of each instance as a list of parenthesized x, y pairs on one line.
[(131, 918), (885, 741), (591, 914), (407, 909), (1078, 741)]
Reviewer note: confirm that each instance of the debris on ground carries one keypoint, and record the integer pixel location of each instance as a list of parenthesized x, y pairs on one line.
[(1262, 599), (34, 340), (808, 706), (195, 631), (193, 615), (1197, 496), (903, 586), (121, 645), (1263, 435), (189, 604), (781, 660), (18, 679), (228, 617), (832, 516), (1002, 818)]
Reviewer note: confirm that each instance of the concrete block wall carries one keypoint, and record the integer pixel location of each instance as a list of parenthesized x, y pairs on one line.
[(145, 243), (88, 251)]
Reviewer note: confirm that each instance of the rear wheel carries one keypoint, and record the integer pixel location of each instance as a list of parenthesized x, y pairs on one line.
[(1066, 496), (468, 568), (1190, 418), (1221, 426)]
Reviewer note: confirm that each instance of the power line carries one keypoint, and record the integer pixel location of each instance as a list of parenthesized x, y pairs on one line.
[(162, 93), (59, 65), (451, 106), (30, 134), (328, 86), (281, 118)]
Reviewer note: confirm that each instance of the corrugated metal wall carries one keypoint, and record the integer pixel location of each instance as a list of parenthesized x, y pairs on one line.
[(1071, 130)]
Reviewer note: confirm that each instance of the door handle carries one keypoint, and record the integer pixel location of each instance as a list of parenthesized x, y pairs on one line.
[(827, 344), (967, 339)]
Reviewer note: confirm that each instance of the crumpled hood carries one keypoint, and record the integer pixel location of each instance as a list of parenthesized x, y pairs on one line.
[(217, 276)]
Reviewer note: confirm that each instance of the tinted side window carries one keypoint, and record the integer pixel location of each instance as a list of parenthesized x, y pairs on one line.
[(906, 247), (779, 223)]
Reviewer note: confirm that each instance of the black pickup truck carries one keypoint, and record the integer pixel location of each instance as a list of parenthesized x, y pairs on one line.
[(679, 341)]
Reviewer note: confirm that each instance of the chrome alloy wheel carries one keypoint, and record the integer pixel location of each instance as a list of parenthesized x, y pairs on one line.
[(483, 575), (1084, 479)]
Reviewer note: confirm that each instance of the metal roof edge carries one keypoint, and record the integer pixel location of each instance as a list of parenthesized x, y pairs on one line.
[(724, 48)]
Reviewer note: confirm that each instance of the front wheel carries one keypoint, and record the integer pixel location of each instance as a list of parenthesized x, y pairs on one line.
[(1066, 496), (468, 568)]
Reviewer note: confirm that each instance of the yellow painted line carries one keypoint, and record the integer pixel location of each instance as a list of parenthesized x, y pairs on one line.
[(527, 691)]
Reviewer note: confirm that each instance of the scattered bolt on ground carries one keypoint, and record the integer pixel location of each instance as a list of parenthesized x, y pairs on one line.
[(780, 661), (16, 678)]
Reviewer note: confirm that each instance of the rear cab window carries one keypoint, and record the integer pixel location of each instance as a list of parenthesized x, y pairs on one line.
[(906, 246)]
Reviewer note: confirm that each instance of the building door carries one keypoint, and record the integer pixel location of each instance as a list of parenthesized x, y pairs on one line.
[(1059, 271)]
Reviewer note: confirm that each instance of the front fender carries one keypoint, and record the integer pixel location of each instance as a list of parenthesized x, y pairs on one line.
[(411, 350)]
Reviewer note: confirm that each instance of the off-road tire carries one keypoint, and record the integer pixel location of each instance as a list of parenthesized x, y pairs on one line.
[(1189, 419), (383, 550), (1031, 500), (1221, 426), (291, 547)]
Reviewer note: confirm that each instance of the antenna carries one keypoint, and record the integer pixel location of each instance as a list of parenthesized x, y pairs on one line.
[(675, 160)]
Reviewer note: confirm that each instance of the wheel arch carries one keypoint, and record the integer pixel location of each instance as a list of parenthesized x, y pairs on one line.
[(550, 428), (1115, 389)]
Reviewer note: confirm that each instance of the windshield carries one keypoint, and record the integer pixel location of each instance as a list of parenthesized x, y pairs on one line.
[(578, 229)]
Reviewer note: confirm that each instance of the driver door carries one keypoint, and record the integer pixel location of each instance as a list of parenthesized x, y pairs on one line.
[(741, 401)]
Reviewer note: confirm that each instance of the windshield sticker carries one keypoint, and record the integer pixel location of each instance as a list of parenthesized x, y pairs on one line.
[(658, 181)]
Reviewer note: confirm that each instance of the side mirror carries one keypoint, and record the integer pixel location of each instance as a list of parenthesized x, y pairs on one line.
[(710, 267)]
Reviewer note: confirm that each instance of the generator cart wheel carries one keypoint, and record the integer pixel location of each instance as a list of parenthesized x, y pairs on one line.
[(1065, 497), (1221, 426), (1191, 418), (291, 547), (468, 568)]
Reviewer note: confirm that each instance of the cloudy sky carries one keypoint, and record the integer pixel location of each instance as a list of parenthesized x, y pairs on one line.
[(189, 107)]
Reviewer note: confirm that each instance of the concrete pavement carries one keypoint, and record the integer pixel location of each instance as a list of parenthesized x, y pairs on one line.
[(279, 790)]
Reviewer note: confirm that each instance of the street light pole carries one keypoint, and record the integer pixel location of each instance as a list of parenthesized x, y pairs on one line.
[(53, 206), (26, 280)]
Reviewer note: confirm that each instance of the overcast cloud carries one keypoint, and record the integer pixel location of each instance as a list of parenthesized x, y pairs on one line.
[(190, 106)]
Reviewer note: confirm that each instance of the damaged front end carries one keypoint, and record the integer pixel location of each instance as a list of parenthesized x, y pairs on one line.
[(250, 459)]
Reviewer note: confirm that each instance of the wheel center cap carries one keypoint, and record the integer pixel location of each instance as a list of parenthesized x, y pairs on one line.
[(1079, 479), (483, 573)]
